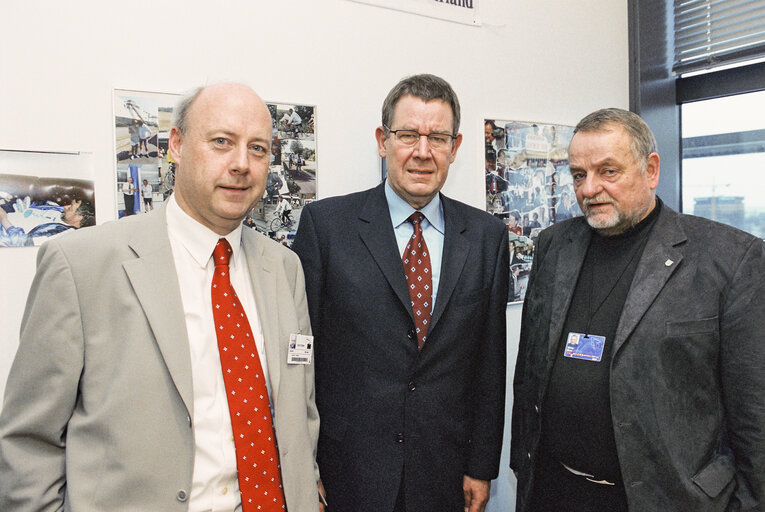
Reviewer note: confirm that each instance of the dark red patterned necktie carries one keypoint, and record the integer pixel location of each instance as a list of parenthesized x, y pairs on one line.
[(416, 260), (257, 459)]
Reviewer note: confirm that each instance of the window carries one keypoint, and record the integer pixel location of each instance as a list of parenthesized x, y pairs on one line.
[(700, 65), (723, 160)]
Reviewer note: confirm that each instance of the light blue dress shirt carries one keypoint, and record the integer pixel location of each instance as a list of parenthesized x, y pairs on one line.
[(432, 229)]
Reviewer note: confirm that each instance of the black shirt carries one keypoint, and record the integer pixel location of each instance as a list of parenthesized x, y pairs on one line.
[(577, 429)]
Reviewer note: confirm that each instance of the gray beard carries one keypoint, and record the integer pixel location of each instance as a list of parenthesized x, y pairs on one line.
[(620, 224)]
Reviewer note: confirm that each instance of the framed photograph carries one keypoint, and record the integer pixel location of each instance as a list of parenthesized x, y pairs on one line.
[(292, 172), (43, 196), (145, 171), (528, 186)]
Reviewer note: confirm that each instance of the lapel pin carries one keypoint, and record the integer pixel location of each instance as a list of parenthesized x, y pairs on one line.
[(668, 263)]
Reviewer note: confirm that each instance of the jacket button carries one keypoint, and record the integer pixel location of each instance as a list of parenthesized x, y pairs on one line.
[(529, 454), (411, 386), (536, 409), (412, 334), (181, 495), (400, 437)]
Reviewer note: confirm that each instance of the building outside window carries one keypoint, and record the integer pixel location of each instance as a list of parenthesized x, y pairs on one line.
[(723, 160), (697, 76)]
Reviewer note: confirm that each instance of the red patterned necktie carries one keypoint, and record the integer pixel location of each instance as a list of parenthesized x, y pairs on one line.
[(416, 262), (257, 459)]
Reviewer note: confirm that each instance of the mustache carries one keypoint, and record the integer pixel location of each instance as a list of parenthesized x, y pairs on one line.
[(586, 202)]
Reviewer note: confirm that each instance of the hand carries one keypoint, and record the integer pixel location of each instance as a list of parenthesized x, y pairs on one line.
[(22, 205), (476, 493), (323, 493)]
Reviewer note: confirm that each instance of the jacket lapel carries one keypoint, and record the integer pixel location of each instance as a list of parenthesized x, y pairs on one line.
[(155, 282), (453, 258), (263, 276), (376, 232), (659, 260), (569, 264)]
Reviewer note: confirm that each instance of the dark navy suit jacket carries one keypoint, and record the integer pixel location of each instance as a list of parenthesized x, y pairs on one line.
[(386, 409)]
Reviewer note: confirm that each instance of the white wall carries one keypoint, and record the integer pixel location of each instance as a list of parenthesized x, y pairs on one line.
[(548, 60)]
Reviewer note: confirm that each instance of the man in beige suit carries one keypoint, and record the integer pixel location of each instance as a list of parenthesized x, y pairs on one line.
[(116, 399)]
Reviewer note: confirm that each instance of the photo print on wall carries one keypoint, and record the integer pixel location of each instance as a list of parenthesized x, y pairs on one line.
[(44, 195), (291, 174), (528, 186), (145, 171), (144, 168)]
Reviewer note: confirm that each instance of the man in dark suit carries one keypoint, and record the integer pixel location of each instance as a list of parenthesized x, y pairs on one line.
[(410, 386), (641, 368)]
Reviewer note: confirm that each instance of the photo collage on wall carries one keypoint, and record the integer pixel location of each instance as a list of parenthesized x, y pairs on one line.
[(528, 186), (146, 171), (292, 172)]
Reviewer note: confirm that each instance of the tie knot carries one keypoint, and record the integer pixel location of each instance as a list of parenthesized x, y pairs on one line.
[(222, 253), (416, 218)]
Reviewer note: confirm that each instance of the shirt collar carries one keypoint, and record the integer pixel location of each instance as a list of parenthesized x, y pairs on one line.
[(400, 210), (197, 239)]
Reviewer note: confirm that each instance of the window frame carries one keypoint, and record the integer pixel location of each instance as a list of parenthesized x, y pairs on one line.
[(656, 93)]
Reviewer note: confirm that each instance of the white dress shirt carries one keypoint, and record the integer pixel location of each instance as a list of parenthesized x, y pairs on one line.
[(214, 481)]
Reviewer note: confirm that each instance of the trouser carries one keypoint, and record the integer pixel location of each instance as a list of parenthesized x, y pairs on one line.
[(129, 204), (400, 499)]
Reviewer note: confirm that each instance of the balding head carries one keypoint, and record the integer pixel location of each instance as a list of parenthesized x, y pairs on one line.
[(181, 111), (221, 142)]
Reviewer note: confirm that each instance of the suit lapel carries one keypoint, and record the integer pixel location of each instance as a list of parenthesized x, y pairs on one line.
[(263, 276), (376, 232), (659, 260), (453, 258), (155, 282), (569, 264)]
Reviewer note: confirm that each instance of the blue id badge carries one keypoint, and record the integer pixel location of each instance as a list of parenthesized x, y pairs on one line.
[(585, 346)]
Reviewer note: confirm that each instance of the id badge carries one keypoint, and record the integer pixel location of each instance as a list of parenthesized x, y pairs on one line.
[(301, 349), (585, 346)]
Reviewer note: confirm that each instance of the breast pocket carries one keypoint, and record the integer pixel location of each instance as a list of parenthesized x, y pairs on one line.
[(472, 298), (689, 352), (692, 327)]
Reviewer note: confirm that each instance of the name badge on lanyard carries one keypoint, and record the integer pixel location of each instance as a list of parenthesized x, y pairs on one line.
[(585, 346)]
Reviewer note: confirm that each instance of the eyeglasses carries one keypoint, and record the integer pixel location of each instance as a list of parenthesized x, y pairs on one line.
[(412, 137)]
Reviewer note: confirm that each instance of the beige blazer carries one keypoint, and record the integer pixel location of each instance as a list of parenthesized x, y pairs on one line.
[(98, 405)]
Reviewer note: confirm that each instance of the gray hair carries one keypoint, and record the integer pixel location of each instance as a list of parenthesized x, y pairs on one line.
[(426, 87), (88, 212), (643, 141), (181, 111)]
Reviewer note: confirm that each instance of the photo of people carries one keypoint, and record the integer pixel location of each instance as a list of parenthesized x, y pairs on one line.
[(136, 127), (142, 126), (139, 188), (34, 209), (145, 170), (528, 186), (292, 121), (292, 172)]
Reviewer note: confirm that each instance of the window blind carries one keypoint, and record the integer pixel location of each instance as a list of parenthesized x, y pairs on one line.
[(712, 33)]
